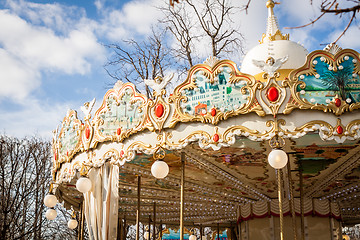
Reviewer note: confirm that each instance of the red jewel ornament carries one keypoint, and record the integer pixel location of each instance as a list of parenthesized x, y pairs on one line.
[(159, 110), (216, 137), (87, 132), (337, 102), (213, 112), (339, 130), (121, 153), (273, 94), (118, 131)]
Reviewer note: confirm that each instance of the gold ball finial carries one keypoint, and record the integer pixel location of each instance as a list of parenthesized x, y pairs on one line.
[(270, 4)]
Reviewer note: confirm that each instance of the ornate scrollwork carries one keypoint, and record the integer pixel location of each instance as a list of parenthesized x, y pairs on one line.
[(326, 82), (122, 113), (158, 111), (69, 138), (208, 94)]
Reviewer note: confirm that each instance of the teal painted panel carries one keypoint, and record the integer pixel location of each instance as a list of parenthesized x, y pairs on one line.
[(220, 94), (322, 87)]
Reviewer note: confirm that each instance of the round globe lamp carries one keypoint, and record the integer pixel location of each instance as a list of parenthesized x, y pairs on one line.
[(72, 224), (277, 158), (192, 237), (51, 214), (159, 169), (50, 200), (83, 184)]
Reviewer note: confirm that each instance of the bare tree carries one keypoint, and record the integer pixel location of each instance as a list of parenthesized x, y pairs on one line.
[(25, 175), (209, 19), (190, 24), (215, 18), (134, 61), (181, 25), (334, 7)]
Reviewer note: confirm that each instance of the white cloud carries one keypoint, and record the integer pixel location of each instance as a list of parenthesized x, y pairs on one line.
[(17, 80), (134, 19), (350, 39), (33, 117), (29, 49)]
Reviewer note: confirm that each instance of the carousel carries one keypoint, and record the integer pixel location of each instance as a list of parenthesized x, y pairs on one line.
[(270, 151)]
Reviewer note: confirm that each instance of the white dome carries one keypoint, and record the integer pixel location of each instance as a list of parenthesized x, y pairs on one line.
[(276, 49)]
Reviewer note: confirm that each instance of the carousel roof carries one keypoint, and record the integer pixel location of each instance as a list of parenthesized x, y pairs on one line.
[(223, 120), (276, 45)]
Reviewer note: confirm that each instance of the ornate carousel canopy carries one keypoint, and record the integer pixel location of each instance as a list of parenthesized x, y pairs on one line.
[(225, 123)]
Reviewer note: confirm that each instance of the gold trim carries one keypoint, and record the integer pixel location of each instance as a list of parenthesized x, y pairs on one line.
[(211, 72), (77, 127), (157, 122), (277, 36), (117, 95), (308, 68)]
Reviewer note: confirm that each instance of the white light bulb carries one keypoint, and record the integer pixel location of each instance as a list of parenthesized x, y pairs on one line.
[(50, 200), (72, 224), (159, 169), (277, 158), (192, 237), (83, 184), (51, 214)]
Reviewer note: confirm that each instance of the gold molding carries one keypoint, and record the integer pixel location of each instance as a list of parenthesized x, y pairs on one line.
[(293, 82), (211, 72), (117, 95)]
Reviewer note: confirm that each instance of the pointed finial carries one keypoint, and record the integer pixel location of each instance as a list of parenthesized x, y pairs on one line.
[(272, 29), (270, 4)]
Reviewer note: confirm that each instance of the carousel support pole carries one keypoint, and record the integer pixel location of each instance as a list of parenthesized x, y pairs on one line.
[(231, 230), (182, 196), (124, 228), (201, 232), (278, 171), (302, 203), (149, 228), (154, 225), (81, 220), (239, 225), (292, 203), (218, 231), (143, 230), (160, 230), (138, 208), (79, 228), (119, 233)]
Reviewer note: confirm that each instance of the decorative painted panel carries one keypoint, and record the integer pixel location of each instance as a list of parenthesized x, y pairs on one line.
[(69, 137), (122, 113), (213, 93), (326, 82)]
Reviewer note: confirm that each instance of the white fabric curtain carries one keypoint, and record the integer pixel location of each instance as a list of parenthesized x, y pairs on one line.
[(101, 203)]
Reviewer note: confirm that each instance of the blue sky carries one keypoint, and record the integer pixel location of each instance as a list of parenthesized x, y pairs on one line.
[(52, 52)]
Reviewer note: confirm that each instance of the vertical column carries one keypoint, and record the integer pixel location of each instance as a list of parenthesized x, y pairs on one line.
[(239, 226), (182, 196), (292, 203), (138, 208), (82, 222), (218, 231), (149, 228), (124, 228), (154, 224), (160, 230), (302, 204), (278, 171)]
